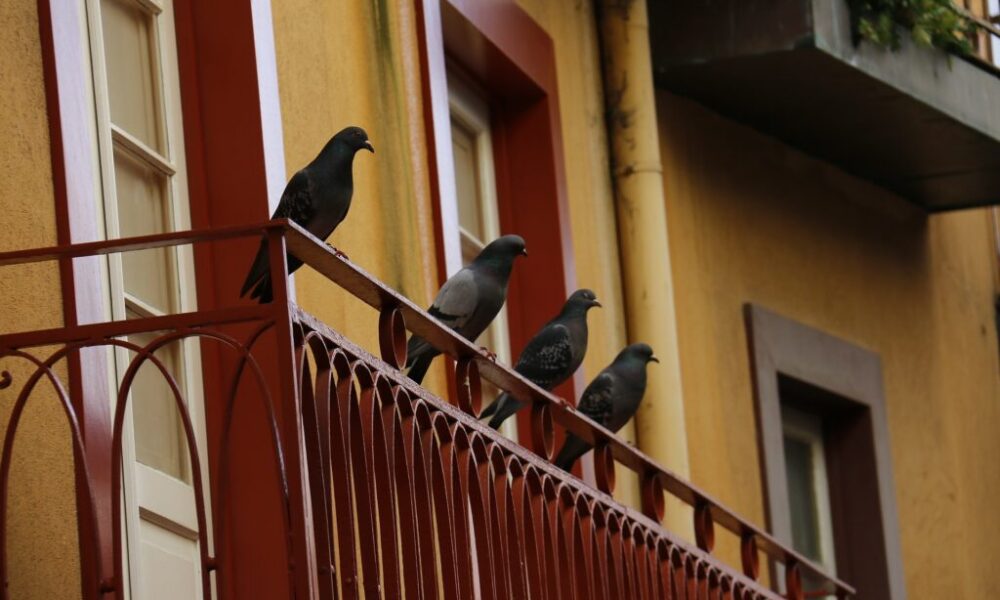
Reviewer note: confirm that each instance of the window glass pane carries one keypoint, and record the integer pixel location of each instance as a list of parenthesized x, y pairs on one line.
[(142, 210), (470, 248), (467, 180), (159, 439), (802, 497), (130, 49)]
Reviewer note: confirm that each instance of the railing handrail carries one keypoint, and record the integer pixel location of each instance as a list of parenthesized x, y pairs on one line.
[(655, 479), (986, 25)]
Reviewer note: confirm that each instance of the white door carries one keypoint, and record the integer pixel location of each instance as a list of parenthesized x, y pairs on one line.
[(144, 191)]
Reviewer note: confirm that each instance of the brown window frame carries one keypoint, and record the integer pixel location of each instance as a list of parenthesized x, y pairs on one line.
[(841, 382)]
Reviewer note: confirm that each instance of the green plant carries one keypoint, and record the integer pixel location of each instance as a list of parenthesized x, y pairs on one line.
[(935, 23)]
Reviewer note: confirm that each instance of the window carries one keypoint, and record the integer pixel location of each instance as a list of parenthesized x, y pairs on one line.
[(462, 43), (476, 195), (825, 453), (808, 488), (144, 191)]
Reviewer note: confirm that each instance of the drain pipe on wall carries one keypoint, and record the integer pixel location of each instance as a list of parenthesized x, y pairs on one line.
[(637, 173)]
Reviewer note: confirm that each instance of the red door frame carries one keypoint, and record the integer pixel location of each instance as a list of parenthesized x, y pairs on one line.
[(72, 149), (513, 59), (232, 131), (236, 173)]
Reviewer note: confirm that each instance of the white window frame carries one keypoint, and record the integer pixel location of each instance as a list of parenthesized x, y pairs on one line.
[(808, 429), (145, 486), (471, 112)]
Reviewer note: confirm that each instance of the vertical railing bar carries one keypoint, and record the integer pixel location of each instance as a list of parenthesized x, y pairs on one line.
[(494, 480), (438, 458), (407, 508), (302, 557), (363, 487), (477, 489), (340, 476), (459, 508), (318, 484), (515, 539), (420, 419)]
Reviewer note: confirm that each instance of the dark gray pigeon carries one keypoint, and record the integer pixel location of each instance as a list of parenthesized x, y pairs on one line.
[(317, 198), (611, 398), (469, 300), (552, 356)]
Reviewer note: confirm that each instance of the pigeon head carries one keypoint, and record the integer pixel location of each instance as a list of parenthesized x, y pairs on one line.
[(581, 301), (349, 140), (637, 352), (502, 251)]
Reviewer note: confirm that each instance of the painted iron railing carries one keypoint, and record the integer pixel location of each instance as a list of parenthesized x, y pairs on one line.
[(385, 490)]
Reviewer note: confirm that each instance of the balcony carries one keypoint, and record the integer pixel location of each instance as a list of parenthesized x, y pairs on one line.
[(356, 466), (917, 121)]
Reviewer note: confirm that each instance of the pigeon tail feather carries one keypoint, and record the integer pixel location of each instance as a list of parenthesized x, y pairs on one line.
[(506, 406), (263, 292), (420, 367), (257, 270), (573, 449), (492, 408)]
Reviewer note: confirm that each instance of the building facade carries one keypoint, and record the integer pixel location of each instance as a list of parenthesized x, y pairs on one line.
[(818, 270)]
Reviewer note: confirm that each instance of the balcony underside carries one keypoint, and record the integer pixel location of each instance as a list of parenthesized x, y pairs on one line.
[(915, 121)]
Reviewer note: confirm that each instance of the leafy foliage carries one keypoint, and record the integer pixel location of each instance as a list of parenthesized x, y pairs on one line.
[(934, 23)]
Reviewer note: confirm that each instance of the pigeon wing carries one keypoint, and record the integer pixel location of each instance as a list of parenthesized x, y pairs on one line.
[(547, 357), (457, 300), (297, 201), (453, 306), (296, 205), (597, 402)]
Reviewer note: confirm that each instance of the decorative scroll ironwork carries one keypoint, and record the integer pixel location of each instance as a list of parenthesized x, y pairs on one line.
[(407, 495)]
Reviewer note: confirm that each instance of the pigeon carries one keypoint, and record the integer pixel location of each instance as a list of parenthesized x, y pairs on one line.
[(611, 398), (552, 356), (469, 300), (317, 198)]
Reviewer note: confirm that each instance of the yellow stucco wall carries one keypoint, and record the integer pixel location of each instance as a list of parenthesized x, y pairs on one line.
[(573, 29), (356, 63), (752, 220), (42, 542)]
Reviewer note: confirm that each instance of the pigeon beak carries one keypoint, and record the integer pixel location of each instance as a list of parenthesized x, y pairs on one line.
[(596, 303), (369, 147), (654, 359), (524, 252)]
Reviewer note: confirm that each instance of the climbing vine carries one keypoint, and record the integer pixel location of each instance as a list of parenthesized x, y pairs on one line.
[(934, 23)]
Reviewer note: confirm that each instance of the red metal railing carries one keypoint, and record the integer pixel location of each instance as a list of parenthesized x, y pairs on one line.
[(385, 489)]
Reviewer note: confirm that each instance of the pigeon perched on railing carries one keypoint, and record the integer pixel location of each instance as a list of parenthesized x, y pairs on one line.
[(611, 398), (469, 301), (552, 356), (317, 198)]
